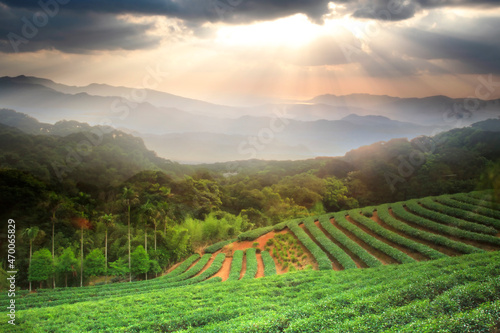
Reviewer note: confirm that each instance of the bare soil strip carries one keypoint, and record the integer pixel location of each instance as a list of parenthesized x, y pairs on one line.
[(260, 266), (225, 269), (262, 240), (360, 263), (440, 248), (335, 263), (384, 258), (484, 246), (412, 253)]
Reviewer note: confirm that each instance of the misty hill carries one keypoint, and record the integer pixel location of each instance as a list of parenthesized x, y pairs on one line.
[(435, 110), (327, 126), (248, 137), (71, 150)]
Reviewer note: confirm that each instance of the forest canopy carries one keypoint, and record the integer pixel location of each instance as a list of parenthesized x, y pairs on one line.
[(105, 203)]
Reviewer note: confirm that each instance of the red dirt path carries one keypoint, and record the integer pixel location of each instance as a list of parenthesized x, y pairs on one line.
[(262, 240), (226, 268), (260, 266)]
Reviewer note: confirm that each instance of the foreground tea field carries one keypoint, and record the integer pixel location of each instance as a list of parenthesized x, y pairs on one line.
[(459, 294), (428, 264)]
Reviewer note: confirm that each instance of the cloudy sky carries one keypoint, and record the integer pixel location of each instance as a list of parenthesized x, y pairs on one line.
[(237, 51)]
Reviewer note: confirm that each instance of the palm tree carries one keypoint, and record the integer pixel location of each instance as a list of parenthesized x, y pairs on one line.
[(148, 211), (128, 195), (83, 223), (161, 215), (31, 234), (166, 193), (54, 204), (85, 205), (108, 220)]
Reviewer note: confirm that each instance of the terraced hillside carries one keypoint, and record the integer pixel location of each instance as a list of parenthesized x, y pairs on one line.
[(398, 233), (424, 230)]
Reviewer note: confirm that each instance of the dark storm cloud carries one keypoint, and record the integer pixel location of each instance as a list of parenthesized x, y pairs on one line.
[(81, 26), (71, 32), (397, 10), (87, 25), (458, 45), (477, 51), (236, 11)]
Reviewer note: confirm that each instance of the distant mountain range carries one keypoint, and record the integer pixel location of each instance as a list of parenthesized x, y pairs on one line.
[(193, 131)]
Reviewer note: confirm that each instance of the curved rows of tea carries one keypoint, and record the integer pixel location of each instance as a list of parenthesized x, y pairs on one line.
[(463, 201), (48, 297), (355, 248), (447, 219), (373, 242), (454, 294), (460, 213), (417, 226), (322, 259), (394, 237), (339, 254), (415, 208), (441, 228), (252, 266), (269, 265), (488, 199), (445, 229), (386, 217), (236, 266)]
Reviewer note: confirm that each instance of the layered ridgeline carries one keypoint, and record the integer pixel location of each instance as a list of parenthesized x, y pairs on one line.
[(194, 131), (421, 265)]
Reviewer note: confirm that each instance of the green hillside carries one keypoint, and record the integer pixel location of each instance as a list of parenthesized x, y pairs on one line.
[(458, 294), (428, 265)]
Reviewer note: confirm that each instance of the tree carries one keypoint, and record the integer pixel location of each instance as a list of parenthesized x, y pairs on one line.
[(108, 220), (140, 261), (54, 204), (66, 263), (128, 195), (118, 268), (490, 179), (148, 211), (161, 215), (335, 197), (83, 223), (31, 234), (42, 266), (154, 267), (94, 263)]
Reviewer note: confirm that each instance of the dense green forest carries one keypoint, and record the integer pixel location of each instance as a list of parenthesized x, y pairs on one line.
[(96, 194)]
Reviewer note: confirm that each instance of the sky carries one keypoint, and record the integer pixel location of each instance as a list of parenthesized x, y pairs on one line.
[(244, 51)]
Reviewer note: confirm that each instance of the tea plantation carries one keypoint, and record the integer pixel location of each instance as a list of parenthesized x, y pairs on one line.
[(427, 265)]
